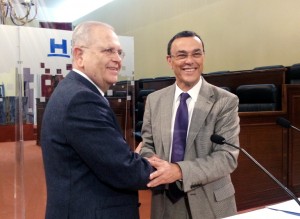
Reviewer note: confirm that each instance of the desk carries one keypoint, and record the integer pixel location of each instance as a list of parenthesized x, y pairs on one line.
[(285, 210)]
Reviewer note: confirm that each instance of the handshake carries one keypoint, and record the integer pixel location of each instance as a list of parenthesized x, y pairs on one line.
[(165, 172)]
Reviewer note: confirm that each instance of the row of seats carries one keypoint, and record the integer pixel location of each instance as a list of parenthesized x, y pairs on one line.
[(120, 90), (292, 72), (252, 97)]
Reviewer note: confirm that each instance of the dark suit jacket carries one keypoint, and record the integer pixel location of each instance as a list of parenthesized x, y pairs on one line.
[(90, 170)]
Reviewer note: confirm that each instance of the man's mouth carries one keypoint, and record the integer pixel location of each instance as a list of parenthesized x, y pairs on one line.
[(113, 68), (189, 69)]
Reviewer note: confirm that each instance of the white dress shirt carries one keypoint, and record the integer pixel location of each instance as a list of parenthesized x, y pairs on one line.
[(190, 104)]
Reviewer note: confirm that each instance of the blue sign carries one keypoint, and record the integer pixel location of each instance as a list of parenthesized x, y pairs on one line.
[(58, 50)]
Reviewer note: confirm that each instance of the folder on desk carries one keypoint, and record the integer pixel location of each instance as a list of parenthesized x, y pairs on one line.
[(288, 207), (285, 210)]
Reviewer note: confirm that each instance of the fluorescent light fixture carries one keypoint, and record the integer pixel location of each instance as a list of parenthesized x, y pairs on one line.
[(70, 10)]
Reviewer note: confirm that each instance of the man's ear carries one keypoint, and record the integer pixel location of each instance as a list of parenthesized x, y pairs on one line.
[(169, 60), (77, 56), (77, 52)]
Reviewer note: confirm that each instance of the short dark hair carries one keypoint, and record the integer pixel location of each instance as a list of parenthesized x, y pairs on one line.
[(185, 33)]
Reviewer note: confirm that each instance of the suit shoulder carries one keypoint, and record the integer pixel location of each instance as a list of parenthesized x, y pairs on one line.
[(162, 91), (221, 91)]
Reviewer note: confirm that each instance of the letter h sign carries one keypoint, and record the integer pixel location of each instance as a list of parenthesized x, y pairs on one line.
[(58, 49)]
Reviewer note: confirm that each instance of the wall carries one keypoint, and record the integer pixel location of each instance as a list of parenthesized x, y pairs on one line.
[(238, 35), (29, 51)]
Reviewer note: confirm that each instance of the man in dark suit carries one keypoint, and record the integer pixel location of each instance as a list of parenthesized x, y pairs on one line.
[(198, 185), (90, 170)]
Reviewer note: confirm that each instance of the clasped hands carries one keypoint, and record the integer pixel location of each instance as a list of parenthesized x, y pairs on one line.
[(165, 172)]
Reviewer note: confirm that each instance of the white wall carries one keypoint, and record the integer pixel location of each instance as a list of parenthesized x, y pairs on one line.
[(25, 49)]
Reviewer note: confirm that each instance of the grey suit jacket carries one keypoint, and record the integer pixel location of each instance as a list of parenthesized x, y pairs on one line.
[(207, 166)]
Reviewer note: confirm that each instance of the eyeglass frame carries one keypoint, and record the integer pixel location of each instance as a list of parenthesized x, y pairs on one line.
[(109, 51), (183, 55)]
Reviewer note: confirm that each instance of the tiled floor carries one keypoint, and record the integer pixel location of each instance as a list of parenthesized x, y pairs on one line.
[(34, 184)]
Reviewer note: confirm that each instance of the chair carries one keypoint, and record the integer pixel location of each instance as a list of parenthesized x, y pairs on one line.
[(137, 133), (257, 97), (163, 77), (226, 88), (2, 111), (120, 93), (143, 93), (2, 90), (268, 67), (141, 82), (140, 103), (217, 72), (139, 112), (293, 74)]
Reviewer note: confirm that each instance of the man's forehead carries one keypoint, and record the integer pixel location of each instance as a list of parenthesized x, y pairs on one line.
[(188, 43), (187, 39), (107, 39)]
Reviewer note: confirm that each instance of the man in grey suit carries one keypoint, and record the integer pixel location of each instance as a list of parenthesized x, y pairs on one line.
[(90, 171), (202, 177)]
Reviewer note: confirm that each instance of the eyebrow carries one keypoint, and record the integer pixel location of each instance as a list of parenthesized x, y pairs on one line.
[(184, 51)]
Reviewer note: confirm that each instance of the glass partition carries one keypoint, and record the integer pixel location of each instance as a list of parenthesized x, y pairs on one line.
[(121, 97), (33, 62)]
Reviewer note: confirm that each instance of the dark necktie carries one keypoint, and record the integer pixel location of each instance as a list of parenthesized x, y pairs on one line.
[(180, 129), (179, 142)]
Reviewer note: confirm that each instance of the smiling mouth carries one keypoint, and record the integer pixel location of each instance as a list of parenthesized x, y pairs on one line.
[(189, 69), (113, 68)]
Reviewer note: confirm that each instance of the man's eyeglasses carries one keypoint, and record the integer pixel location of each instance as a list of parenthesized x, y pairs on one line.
[(110, 52), (185, 55)]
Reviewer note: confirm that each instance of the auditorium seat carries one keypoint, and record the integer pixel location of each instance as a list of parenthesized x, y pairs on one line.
[(137, 132), (143, 93), (163, 77), (140, 103), (139, 112), (257, 97), (141, 82), (120, 93), (268, 67), (217, 72), (293, 74), (226, 88)]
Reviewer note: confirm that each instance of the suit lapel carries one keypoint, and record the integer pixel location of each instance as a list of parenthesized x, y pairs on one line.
[(84, 81), (202, 108), (87, 83), (166, 119), (74, 76)]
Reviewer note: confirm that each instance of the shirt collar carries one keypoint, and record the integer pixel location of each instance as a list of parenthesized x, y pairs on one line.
[(87, 78), (193, 92)]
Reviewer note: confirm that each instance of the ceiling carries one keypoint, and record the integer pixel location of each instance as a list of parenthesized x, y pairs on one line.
[(66, 10)]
